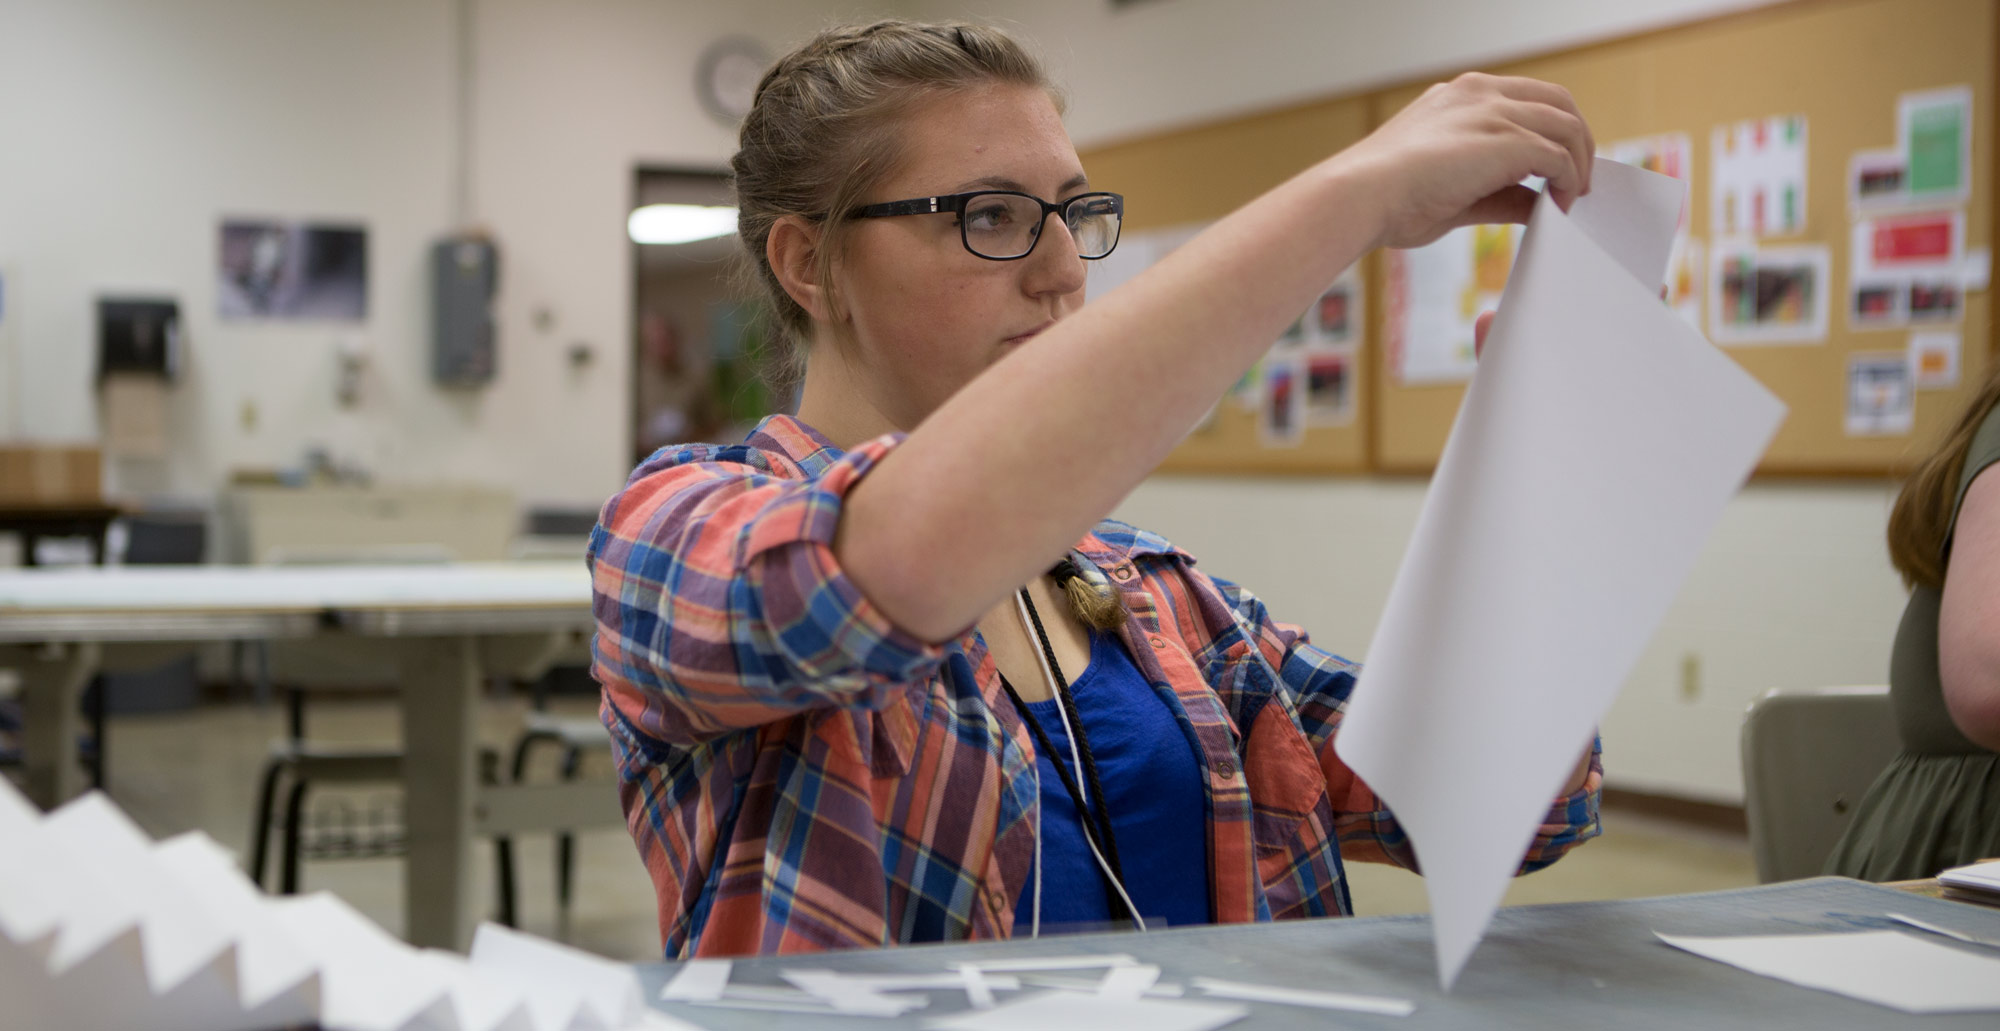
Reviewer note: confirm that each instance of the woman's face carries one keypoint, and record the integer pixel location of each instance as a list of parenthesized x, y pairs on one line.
[(927, 314)]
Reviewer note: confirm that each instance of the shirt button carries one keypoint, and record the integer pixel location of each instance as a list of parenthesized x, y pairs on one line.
[(1158, 643), (1225, 767), (1121, 572)]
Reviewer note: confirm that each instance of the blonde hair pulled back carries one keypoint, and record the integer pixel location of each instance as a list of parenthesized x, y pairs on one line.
[(822, 132)]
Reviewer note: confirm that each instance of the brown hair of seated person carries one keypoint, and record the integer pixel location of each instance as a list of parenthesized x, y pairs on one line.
[(1923, 511)]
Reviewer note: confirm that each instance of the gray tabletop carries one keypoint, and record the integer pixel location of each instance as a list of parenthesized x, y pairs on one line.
[(1583, 964)]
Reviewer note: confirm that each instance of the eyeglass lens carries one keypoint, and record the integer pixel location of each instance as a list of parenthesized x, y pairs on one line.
[(1005, 225)]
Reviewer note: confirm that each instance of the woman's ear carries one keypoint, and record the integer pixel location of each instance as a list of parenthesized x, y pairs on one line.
[(792, 248)]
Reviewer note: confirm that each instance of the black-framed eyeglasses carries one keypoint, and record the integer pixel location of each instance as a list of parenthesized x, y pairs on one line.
[(1001, 225)]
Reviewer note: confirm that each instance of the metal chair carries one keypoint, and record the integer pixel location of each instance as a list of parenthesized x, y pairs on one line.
[(1809, 754), (575, 735)]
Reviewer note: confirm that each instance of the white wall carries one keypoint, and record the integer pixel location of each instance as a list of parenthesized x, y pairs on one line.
[(1165, 64), (128, 128)]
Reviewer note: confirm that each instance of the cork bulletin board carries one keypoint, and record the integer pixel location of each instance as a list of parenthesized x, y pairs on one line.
[(1841, 74)]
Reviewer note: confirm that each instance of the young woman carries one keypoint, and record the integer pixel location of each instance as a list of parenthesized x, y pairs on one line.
[(882, 672), (1938, 803)]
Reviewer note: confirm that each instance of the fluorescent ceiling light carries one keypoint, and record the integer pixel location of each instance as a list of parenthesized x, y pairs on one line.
[(679, 223)]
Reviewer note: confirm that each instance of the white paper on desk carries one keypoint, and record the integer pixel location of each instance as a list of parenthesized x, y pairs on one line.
[(1594, 452), (1887, 968)]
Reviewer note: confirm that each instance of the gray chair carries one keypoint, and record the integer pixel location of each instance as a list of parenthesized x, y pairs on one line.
[(1809, 754)]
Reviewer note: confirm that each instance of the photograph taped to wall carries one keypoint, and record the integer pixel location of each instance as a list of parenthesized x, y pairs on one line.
[(1281, 415), (1757, 179), (1337, 317), (271, 269), (1329, 383), (1880, 400), (1767, 295), (1877, 179)]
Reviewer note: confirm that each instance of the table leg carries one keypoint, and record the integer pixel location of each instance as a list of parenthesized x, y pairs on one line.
[(440, 687), (52, 681)]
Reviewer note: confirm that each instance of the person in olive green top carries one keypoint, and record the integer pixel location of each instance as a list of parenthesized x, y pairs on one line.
[(1938, 803)]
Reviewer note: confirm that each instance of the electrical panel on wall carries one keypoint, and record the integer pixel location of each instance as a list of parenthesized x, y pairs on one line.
[(465, 277)]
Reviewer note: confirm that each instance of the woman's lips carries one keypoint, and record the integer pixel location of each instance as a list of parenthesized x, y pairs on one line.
[(1023, 338)]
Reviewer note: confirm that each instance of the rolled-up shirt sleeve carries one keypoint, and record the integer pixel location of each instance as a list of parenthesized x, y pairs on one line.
[(720, 604)]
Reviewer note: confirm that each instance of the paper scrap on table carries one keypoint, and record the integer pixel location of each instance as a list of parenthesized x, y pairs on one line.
[(1887, 968), (1593, 454), (1074, 1011), (1378, 1004), (1128, 982), (698, 979)]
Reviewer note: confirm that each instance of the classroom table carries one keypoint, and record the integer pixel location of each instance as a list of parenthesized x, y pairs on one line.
[(448, 628), (1570, 965)]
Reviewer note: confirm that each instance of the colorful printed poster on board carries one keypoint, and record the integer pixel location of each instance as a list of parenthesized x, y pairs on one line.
[(1880, 400), (1906, 268), (1934, 131), (1434, 296), (1767, 295), (1757, 184)]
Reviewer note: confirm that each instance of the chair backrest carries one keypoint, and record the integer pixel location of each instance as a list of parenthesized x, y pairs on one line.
[(1809, 754)]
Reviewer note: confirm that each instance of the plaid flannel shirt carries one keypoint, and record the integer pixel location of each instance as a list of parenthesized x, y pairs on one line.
[(801, 774)]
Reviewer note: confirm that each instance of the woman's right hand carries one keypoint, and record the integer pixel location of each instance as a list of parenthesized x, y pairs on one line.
[(1457, 154)]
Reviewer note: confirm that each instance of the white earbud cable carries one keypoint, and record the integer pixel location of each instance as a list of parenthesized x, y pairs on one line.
[(1076, 764)]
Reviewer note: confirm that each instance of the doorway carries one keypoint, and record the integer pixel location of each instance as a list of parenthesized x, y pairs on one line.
[(698, 338)]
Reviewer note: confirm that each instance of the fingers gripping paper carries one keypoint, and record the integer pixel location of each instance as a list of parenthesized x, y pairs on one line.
[(1594, 452)]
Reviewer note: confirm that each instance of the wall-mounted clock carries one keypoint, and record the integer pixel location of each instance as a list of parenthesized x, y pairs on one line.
[(727, 75)]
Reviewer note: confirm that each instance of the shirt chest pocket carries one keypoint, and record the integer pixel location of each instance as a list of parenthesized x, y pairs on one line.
[(1286, 785)]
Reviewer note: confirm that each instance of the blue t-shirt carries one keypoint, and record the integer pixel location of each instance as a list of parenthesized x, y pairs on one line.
[(1152, 784)]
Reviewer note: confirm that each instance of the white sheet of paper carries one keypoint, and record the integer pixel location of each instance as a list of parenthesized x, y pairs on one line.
[(1887, 968), (370, 981), (698, 979), (128, 886), (29, 912), (1378, 1004), (1984, 876), (1593, 454), (1073, 1011), (1128, 982), (268, 962)]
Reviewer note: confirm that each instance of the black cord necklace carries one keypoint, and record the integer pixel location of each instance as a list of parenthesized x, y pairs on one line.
[(1097, 817)]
